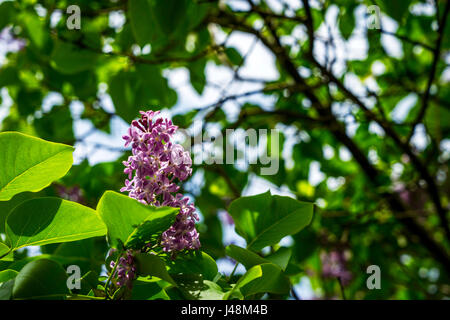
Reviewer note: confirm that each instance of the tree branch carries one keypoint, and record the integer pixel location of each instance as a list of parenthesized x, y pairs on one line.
[(274, 45), (436, 57)]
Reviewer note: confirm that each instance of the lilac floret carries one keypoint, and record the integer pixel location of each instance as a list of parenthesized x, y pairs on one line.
[(153, 170), (125, 271), (334, 265)]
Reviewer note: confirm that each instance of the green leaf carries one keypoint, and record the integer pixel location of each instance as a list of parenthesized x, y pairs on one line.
[(7, 13), (263, 219), (145, 290), (154, 88), (70, 59), (6, 289), (346, 21), (260, 279), (211, 291), (142, 24), (250, 259), (244, 256), (251, 275), (131, 223), (281, 257), (396, 9), (272, 280), (7, 274), (35, 28), (41, 279), (30, 164), (152, 265), (189, 285), (234, 56), (437, 121), (197, 75), (198, 289), (51, 220), (88, 281), (88, 254), (197, 262), (128, 94), (56, 125), (4, 249), (170, 14)]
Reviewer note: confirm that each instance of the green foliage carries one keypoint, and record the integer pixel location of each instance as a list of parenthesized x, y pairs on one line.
[(152, 265), (30, 164), (40, 279), (51, 220), (196, 263), (260, 229), (374, 119), (130, 223)]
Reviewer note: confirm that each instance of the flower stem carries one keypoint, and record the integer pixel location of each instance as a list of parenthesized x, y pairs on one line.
[(341, 286), (232, 272), (113, 271)]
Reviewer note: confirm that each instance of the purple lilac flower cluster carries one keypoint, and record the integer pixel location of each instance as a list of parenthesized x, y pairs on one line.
[(153, 169), (334, 266), (125, 271)]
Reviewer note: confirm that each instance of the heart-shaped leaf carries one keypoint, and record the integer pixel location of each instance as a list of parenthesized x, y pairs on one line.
[(130, 223), (51, 220), (30, 164), (152, 265), (263, 219), (41, 279)]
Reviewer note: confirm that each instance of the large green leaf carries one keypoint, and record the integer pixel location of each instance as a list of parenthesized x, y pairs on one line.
[(70, 59), (250, 259), (196, 262), (30, 164), (51, 220), (263, 219), (41, 279), (152, 265), (142, 24), (170, 14), (131, 223), (246, 257)]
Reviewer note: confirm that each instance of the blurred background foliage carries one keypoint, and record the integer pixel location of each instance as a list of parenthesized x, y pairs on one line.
[(374, 120)]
